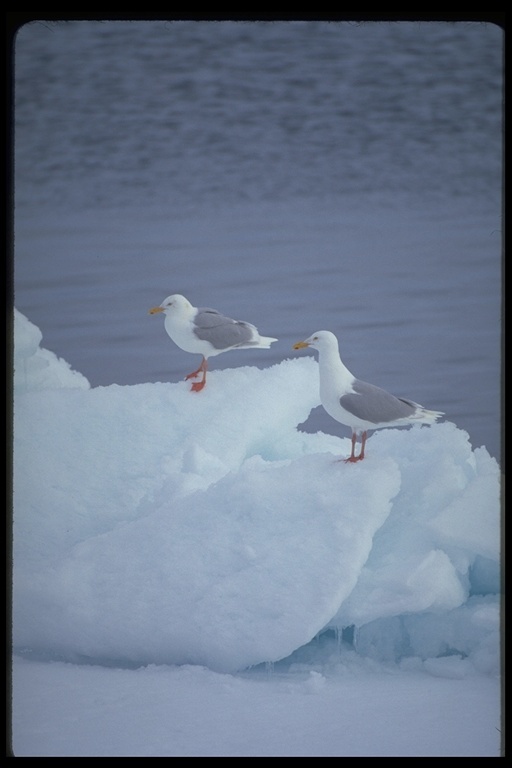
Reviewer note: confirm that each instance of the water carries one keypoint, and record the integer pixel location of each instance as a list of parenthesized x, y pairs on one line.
[(299, 175)]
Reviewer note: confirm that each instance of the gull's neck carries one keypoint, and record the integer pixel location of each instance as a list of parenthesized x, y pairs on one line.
[(332, 368), (181, 318)]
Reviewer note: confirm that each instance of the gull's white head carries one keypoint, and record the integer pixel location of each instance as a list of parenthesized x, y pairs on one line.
[(175, 304), (319, 340)]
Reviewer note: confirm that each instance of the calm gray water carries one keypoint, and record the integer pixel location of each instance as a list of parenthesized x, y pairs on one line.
[(299, 175)]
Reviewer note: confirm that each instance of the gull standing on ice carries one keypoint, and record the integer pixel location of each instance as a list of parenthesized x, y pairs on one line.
[(206, 332), (355, 403)]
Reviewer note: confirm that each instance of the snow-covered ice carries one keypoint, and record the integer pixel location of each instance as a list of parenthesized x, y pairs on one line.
[(156, 527)]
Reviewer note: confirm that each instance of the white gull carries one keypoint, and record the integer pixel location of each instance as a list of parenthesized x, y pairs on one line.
[(355, 403), (206, 332)]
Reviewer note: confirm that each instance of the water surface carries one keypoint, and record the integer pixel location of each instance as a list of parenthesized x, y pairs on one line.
[(299, 175)]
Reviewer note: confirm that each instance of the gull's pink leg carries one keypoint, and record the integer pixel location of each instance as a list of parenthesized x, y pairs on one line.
[(363, 443), (196, 373), (198, 385), (352, 456)]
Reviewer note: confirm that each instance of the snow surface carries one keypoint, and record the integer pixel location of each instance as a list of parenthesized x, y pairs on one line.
[(185, 538), (340, 708)]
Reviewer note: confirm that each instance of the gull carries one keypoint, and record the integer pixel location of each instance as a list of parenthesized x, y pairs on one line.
[(207, 332), (355, 403)]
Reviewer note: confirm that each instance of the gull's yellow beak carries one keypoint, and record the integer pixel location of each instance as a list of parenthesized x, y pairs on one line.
[(155, 310), (301, 345)]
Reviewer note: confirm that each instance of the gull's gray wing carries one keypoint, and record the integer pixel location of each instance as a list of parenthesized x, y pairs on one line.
[(222, 332), (375, 405)]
